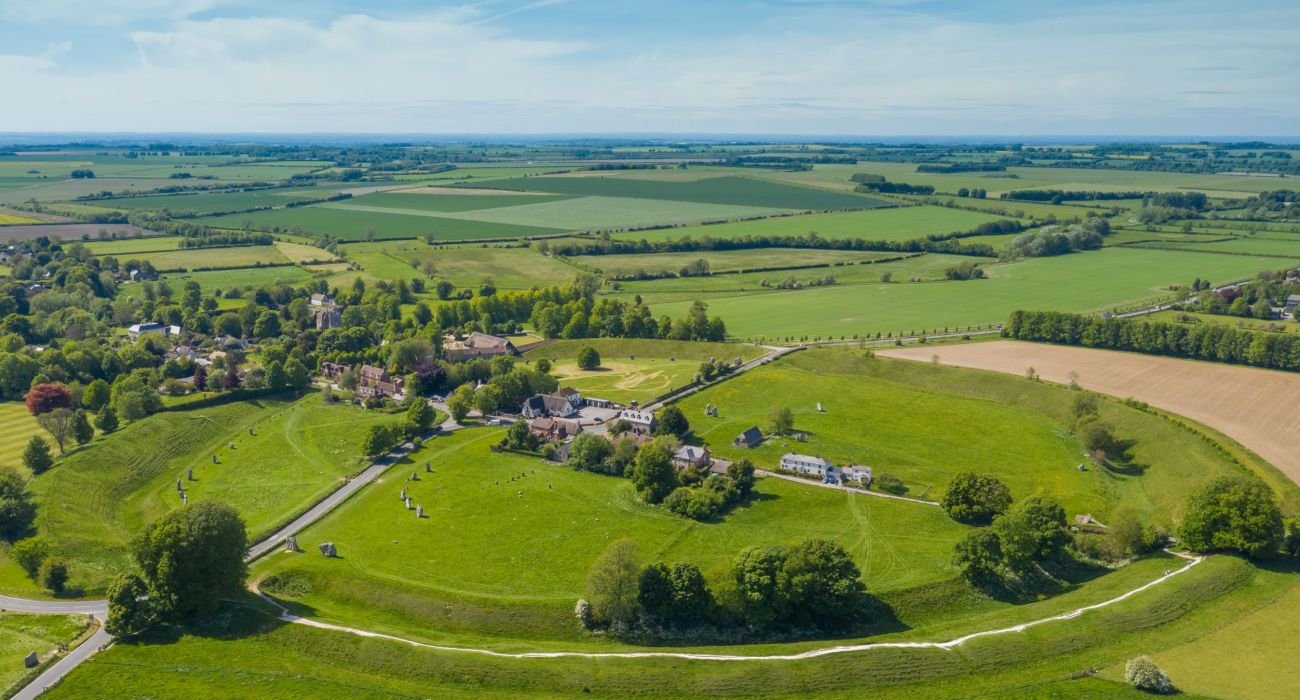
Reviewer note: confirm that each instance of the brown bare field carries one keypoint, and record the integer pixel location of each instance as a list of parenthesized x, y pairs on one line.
[(1258, 408), (433, 189), (68, 232)]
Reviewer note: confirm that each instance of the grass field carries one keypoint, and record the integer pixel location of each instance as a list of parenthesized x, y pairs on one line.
[(17, 427), (727, 260), (742, 191), (198, 258), (355, 225), (299, 253), (660, 365), (246, 277), (1255, 407), (204, 202), (1239, 246), (97, 498), (22, 634), (922, 424), (122, 248), (443, 202), (574, 213), (883, 224), (1080, 282), (1252, 324), (464, 265)]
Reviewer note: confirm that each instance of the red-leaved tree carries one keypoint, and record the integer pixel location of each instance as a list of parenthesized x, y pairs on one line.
[(44, 398)]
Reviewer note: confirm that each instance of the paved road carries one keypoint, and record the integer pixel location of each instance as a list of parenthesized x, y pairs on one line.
[(850, 489), (777, 351), (59, 669), (53, 606)]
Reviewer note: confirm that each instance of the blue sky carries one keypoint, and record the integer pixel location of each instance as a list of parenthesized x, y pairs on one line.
[(844, 67)]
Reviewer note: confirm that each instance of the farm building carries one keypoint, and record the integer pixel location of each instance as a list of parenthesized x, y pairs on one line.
[(477, 345), (804, 464), (641, 421), (691, 456), (749, 439)]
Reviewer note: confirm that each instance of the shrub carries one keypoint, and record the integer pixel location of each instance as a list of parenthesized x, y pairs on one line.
[(975, 498), (1143, 673), (30, 554), (588, 358), (53, 574)]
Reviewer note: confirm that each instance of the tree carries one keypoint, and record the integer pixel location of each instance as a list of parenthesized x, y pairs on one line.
[(1143, 673), (519, 437), (488, 399), (230, 380), (544, 365), (742, 473), (672, 421), (30, 554), (460, 402), (274, 375), (60, 424), (655, 591), (589, 452), (106, 420), (975, 498), (1032, 532), (96, 395), (200, 378), (978, 555), (17, 512), (44, 398), (129, 612), (420, 416), (588, 358), (779, 420), (1235, 514), (229, 323), (653, 473), (191, 558), (823, 585), (379, 439), (612, 584), (759, 585), (295, 375), (53, 575), (37, 455), (82, 431), (267, 325)]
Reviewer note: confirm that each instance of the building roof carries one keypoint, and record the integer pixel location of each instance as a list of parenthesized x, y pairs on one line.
[(807, 459), (566, 392), (752, 436), (374, 373), (483, 341), (690, 453), (636, 416)]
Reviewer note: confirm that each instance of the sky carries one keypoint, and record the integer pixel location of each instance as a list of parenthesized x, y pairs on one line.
[(808, 67)]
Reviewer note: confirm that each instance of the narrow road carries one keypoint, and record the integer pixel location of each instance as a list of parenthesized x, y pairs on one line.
[(849, 489), (60, 668), (777, 351)]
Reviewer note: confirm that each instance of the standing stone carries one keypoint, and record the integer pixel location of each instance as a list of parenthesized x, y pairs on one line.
[(232, 445), (214, 458), (408, 504), (185, 498), (403, 496), (250, 430), (31, 660), (179, 485), (419, 511), (428, 469), (329, 550), (190, 474), (415, 477), (291, 544)]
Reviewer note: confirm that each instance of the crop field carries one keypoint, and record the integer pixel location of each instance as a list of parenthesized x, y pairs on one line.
[(719, 190), (923, 424), (1079, 282), (356, 225), (124, 247), (471, 579), (1256, 407), (9, 219), (881, 224), (632, 369), (204, 202), (449, 200), (464, 265), (726, 260), (298, 253), (95, 500), (210, 280), (214, 258), (573, 213), (65, 232), (22, 634), (56, 190), (17, 427)]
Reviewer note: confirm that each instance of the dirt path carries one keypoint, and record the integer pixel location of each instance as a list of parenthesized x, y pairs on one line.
[(1257, 407)]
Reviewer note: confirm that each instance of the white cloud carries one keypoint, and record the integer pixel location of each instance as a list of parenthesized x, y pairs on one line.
[(103, 12)]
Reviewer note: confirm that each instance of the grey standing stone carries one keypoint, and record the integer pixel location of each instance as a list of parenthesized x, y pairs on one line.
[(415, 477), (232, 445), (408, 504), (403, 496), (419, 511), (214, 458), (185, 498), (329, 550), (179, 485), (291, 544), (190, 475), (31, 660), (428, 469)]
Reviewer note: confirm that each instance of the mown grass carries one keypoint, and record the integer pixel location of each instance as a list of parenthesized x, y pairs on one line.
[(211, 280), (198, 258), (93, 502), (1080, 282), (17, 426), (464, 265), (21, 634), (1251, 324), (122, 248), (884, 224), (660, 365)]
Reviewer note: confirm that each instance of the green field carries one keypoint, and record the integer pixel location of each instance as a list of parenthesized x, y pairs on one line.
[(741, 191), (213, 258), (95, 500), (22, 634), (727, 260), (1251, 324), (125, 247), (883, 224), (573, 213), (660, 365), (1239, 246), (356, 225), (1079, 282), (205, 202), (245, 277), (17, 426), (463, 265), (413, 199)]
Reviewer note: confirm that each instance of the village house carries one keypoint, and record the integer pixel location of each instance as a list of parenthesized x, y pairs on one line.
[(749, 439), (326, 312), (554, 429), (640, 421), (1292, 301), (855, 474), (636, 439), (334, 370), (548, 406), (134, 332), (375, 381), (477, 345), (688, 456), (805, 464)]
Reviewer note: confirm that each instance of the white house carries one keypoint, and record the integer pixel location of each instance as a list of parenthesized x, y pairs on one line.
[(641, 421), (804, 464), (139, 329), (856, 474)]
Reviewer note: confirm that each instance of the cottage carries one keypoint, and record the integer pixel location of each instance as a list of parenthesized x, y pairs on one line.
[(691, 456), (334, 370), (641, 421), (569, 394), (856, 474), (749, 439), (139, 329), (1292, 302), (478, 345), (321, 300), (375, 381), (554, 429), (636, 439), (804, 464), (548, 406)]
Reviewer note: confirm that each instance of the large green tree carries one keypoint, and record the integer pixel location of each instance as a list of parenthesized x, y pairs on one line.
[(975, 498), (612, 584), (653, 473), (1234, 514), (191, 558)]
